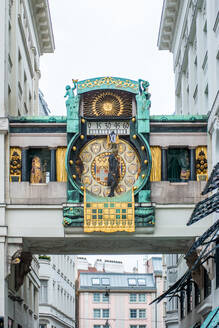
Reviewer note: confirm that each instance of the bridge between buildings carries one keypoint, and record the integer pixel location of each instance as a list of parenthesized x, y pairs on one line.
[(34, 211)]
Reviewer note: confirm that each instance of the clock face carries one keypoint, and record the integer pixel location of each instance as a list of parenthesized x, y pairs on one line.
[(95, 158)]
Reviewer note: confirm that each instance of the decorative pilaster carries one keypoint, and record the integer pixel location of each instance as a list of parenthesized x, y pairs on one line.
[(192, 161), (24, 165), (164, 165), (53, 164)]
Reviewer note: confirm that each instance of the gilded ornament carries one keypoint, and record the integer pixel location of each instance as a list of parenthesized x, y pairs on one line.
[(145, 161), (133, 119), (74, 176), (71, 162), (74, 148), (142, 147), (83, 120), (143, 176), (82, 137), (82, 187), (134, 136), (134, 187)]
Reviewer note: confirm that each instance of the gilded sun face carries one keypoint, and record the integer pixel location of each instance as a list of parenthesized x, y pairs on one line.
[(107, 107)]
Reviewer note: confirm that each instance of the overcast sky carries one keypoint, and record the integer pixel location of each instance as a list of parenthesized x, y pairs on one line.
[(107, 38)]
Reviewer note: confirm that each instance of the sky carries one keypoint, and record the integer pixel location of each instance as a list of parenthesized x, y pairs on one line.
[(107, 38)]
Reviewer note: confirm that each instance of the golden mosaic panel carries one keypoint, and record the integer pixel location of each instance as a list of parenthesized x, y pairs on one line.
[(109, 216)]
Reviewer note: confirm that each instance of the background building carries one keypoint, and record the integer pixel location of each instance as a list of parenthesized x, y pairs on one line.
[(23, 295), (57, 291), (189, 30), (119, 299)]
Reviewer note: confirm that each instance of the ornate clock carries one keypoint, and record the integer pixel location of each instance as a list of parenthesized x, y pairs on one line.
[(108, 158)]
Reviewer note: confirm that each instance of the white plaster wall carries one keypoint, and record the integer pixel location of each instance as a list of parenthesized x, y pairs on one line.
[(60, 309)]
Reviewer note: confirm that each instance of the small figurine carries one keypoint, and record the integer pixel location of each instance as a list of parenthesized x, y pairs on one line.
[(36, 171), (113, 175)]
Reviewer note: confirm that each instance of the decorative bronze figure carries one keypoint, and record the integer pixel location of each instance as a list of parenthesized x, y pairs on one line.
[(113, 175)]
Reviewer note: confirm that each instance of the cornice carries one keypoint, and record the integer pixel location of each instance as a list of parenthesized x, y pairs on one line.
[(43, 25), (167, 25)]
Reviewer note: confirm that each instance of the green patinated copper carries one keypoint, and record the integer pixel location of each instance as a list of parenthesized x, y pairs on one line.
[(143, 106), (38, 119), (178, 118), (107, 83), (72, 105)]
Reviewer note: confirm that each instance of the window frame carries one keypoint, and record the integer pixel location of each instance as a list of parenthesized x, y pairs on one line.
[(130, 298), (95, 311), (96, 300)]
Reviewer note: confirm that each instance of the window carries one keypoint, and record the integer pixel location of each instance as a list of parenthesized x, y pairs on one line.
[(105, 298), (105, 313), (133, 326), (178, 165), (189, 297), (43, 291), (95, 281), (197, 295), (217, 263), (133, 313), (96, 313), (142, 326), (97, 326), (133, 298), (105, 281), (132, 282), (142, 298), (141, 282), (96, 297), (207, 284), (182, 304), (42, 326), (142, 313)]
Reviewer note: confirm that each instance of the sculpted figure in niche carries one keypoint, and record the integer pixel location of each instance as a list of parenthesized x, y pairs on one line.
[(113, 175), (36, 174)]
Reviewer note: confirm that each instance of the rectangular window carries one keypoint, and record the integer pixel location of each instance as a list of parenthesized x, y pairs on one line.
[(132, 282), (105, 298), (43, 291), (189, 296), (97, 326), (105, 281), (141, 282), (182, 304), (142, 313), (105, 313), (96, 313), (217, 263), (96, 297), (95, 281), (142, 298), (142, 326), (133, 298), (197, 295), (133, 313), (207, 284), (133, 326)]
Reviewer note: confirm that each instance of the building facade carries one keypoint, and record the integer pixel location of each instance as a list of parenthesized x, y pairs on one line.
[(115, 299), (57, 291), (25, 34), (23, 296), (189, 30)]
